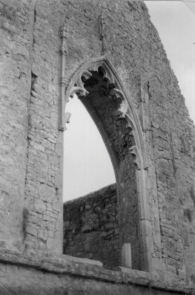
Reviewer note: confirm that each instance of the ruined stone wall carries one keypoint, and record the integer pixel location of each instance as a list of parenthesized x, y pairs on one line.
[(39, 274), (16, 23), (30, 154), (91, 227), (133, 46), (31, 148), (172, 135)]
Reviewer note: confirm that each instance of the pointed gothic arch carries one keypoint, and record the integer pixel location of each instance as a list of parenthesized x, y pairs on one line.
[(100, 89)]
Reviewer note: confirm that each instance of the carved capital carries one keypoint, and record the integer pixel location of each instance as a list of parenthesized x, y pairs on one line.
[(63, 31), (63, 49), (62, 81), (63, 36)]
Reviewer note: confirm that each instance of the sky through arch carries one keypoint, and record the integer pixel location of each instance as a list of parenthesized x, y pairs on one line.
[(87, 165)]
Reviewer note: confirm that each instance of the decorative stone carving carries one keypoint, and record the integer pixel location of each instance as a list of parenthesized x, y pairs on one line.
[(123, 111), (63, 35)]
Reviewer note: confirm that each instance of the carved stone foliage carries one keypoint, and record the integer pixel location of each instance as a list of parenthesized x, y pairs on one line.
[(98, 87)]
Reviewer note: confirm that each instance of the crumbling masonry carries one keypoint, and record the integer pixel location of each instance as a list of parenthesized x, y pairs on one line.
[(110, 55)]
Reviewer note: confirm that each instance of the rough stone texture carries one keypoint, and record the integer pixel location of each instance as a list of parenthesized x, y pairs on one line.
[(160, 203), (45, 275), (91, 227), (16, 21)]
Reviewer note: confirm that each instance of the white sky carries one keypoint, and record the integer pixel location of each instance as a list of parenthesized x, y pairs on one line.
[(87, 166)]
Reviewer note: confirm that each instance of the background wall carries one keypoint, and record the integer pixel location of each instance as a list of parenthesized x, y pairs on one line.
[(91, 227)]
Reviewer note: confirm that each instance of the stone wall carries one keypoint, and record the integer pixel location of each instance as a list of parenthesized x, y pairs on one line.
[(31, 147), (46, 275), (91, 227), (16, 20)]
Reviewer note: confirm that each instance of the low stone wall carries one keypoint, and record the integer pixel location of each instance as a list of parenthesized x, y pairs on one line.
[(47, 274), (91, 227)]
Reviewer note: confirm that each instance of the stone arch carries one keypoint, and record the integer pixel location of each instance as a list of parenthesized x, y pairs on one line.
[(85, 82)]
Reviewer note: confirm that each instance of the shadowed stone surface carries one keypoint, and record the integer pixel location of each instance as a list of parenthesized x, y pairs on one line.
[(91, 227)]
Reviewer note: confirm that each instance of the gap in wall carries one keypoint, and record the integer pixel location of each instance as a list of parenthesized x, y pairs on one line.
[(87, 165)]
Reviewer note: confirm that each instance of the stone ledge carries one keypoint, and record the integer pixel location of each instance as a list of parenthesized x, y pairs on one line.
[(138, 277), (82, 260), (64, 264)]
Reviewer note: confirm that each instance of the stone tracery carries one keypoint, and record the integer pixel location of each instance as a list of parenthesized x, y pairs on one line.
[(112, 89)]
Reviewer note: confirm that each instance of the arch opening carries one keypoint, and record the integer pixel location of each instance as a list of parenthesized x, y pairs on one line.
[(86, 160), (91, 213), (103, 97)]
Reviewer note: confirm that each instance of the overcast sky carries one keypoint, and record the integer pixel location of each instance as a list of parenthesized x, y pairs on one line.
[(87, 166)]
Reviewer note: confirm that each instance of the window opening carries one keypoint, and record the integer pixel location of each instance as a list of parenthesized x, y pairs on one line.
[(105, 99), (90, 222), (87, 165)]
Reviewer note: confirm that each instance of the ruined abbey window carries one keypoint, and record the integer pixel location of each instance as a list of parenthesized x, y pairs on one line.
[(117, 204)]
